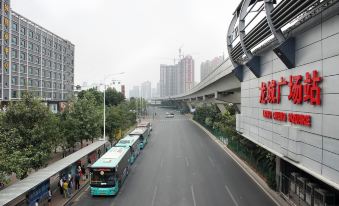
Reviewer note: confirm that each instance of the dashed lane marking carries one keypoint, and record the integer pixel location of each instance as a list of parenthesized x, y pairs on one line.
[(193, 196), (154, 194), (231, 195)]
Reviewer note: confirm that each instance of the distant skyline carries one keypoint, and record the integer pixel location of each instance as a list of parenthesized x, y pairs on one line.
[(134, 37)]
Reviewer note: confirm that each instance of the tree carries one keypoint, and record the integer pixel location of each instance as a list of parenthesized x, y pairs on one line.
[(113, 98), (98, 96), (81, 120), (26, 135)]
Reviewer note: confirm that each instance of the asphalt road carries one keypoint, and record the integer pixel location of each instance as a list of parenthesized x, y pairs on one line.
[(182, 166)]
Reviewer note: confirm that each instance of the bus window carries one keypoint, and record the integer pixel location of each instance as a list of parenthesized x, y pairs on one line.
[(102, 178)]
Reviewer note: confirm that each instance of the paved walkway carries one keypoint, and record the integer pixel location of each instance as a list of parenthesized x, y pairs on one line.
[(59, 199)]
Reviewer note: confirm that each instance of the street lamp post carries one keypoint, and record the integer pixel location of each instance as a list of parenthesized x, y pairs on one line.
[(110, 75)]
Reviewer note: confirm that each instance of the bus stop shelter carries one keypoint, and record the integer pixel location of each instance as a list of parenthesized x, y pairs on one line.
[(36, 185)]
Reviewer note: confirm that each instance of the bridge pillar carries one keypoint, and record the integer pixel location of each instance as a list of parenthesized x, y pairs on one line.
[(222, 108), (189, 105)]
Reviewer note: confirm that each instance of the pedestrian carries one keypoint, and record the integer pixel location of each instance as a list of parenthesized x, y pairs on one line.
[(36, 202), (77, 181), (83, 171), (65, 187), (79, 169), (49, 196), (70, 184), (61, 184)]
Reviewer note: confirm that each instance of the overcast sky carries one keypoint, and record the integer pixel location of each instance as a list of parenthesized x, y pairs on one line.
[(133, 36)]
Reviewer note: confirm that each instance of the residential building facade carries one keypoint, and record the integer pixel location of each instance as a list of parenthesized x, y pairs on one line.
[(33, 60), (208, 66), (178, 78)]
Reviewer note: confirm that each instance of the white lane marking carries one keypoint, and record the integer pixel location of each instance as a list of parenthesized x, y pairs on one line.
[(187, 163), (212, 162), (154, 194), (87, 189), (193, 196), (231, 195)]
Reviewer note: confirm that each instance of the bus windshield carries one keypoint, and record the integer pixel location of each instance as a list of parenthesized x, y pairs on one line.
[(103, 179)]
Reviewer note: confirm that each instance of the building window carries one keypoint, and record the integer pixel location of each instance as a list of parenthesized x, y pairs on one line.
[(14, 94), (15, 26), (14, 80), (30, 45), (30, 58), (37, 72), (30, 82), (22, 81), (22, 69), (23, 43), (54, 85), (37, 37), (43, 51), (37, 49), (30, 70), (23, 30), (30, 33), (22, 56), (37, 60), (43, 62), (14, 53), (15, 40), (14, 67)]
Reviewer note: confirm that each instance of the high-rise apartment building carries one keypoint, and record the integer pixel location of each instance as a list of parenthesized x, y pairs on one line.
[(146, 90), (33, 60), (168, 80), (134, 92), (178, 78), (208, 66), (187, 71)]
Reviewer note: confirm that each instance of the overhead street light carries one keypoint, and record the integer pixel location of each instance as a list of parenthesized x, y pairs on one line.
[(107, 76)]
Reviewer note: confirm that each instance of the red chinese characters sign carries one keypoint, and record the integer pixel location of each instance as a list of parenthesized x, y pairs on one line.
[(300, 89)]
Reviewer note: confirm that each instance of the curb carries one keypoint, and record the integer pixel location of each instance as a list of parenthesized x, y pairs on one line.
[(242, 164), (75, 194)]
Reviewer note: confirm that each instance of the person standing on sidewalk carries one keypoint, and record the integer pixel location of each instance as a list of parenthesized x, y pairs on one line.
[(77, 181), (49, 196), (83, 171), (61, 184), (65, 187)]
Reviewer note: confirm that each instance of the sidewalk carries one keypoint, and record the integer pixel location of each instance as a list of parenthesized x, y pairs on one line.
[(59, 199)]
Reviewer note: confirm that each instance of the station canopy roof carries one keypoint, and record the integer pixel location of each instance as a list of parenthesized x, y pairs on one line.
[(19, 188)]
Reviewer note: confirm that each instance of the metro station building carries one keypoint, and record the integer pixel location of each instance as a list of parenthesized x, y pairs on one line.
[(290, 93)]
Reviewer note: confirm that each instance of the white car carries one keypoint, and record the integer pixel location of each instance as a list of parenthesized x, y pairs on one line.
[(169, 115)]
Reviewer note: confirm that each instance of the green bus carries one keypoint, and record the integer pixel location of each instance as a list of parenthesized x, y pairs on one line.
[(143, 134), (109, 172), (133, 143)]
